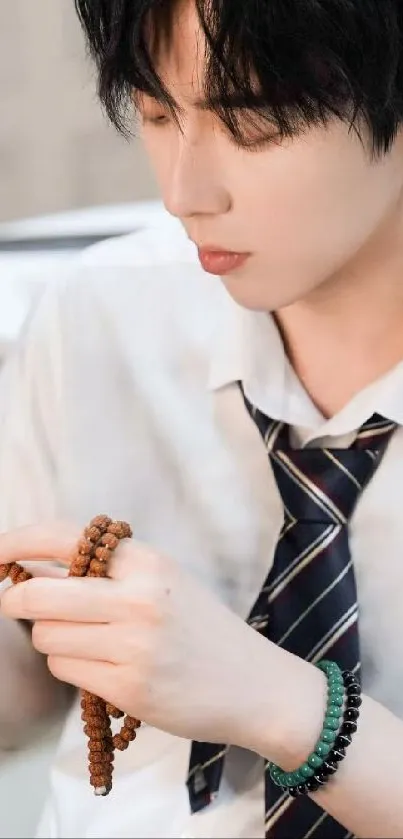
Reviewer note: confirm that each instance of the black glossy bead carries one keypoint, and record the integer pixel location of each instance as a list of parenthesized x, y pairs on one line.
[(354, 701), (348, 727), (321, 776), (343, 740), (312, 785), (338, 754), (349, 678), (296, 791), (351, 713), (330, 766), (353, 690)]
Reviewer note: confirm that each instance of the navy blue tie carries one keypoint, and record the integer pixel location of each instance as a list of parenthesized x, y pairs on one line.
[(308, 603)]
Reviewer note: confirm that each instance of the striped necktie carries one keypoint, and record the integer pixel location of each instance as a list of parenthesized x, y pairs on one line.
[(308, 603)]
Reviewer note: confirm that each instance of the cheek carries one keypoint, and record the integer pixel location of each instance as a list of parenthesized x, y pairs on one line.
[(160, 146), (304, 216)]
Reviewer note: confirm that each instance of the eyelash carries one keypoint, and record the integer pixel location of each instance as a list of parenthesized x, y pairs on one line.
[(254, 146), (161, 119)]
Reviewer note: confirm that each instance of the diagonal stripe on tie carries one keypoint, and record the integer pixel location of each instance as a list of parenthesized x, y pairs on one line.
[(308, 603)]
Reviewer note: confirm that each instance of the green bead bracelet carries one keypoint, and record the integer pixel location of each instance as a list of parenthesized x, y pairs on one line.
[(331, 725)]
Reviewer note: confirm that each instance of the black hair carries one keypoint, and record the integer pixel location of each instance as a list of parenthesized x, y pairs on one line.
[(290, 64)]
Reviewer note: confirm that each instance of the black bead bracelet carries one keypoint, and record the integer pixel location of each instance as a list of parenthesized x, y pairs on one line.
[(337, 754)]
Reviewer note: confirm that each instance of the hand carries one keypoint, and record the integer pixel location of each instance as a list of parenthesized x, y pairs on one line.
[(150, 639)]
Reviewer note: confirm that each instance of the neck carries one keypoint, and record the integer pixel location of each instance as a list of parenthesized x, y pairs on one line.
[(349, 332)]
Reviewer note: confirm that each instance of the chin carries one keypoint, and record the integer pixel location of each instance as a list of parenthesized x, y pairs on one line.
[(256, 295), (257, 292)]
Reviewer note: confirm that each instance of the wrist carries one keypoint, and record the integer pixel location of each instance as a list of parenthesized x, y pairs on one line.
[(287, 706)]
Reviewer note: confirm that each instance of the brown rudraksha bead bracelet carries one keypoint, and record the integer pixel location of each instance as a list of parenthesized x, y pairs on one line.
[(91, 559)]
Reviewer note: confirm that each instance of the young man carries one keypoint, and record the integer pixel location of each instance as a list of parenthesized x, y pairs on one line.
[(248, 428)]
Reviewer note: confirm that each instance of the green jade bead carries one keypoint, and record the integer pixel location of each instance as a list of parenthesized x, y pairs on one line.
[(306, 771), (322, 749), (332, 723), (336, 699), (333, 711), (336, 690), (315, 761), (328, 735), (335, 679), (329, 666)]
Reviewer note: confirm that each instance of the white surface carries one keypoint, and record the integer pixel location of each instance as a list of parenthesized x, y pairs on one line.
[(103, 221)]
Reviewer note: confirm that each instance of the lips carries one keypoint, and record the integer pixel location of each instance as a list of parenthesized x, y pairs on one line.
[(221, 262)]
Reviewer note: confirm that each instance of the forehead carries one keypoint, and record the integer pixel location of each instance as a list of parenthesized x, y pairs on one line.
[(178, 47)]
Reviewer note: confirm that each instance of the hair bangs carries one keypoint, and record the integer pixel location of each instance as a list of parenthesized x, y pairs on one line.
[(272, 67)]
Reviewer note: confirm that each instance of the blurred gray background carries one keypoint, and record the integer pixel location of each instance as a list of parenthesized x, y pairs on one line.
[(57, 151)]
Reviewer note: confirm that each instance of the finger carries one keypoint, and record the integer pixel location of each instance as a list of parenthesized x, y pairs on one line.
[(85, 600), (46, 569), (99, 678), (53, 541), (40, 569), (95, 641)]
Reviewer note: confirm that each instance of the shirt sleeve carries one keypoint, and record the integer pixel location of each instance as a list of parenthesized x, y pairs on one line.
[(29, 404)]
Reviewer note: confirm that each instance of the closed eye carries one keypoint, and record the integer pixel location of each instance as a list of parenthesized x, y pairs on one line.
[(160, 119)]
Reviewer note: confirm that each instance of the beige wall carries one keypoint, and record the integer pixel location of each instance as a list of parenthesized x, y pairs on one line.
[(56, 149)]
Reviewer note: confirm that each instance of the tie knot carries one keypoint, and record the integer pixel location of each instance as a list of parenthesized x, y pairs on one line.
[(323, 484)]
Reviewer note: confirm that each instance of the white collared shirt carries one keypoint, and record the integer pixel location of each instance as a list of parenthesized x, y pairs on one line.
[(124, 399)]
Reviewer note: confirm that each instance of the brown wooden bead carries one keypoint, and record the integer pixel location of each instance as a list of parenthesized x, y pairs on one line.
[(23, 576), (128, 734), (91, 715), (98, 568), (120, 743), (114, 712), (90, 700), (98, 736), (101, 763), (97, 759), (95, 746), (102, 522), (77, 572), (92, 712), (104, 554), (131, 722), (92, 573), (93, 534), (95, 730), (120, 529), (79, 566), (91, 558), (110, 541), (99, 780), (81, 560), (4, 572), (84, 546), (18, 574)]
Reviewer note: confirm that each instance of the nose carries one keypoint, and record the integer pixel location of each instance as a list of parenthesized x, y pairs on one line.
[(195, 184)]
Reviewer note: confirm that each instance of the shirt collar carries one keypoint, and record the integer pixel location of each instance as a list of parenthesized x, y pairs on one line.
[(248, 347)]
